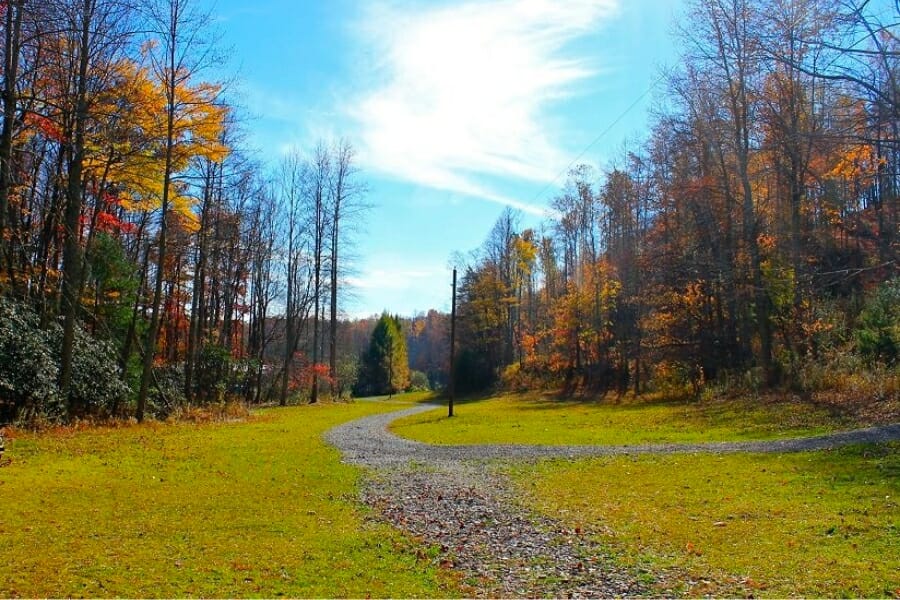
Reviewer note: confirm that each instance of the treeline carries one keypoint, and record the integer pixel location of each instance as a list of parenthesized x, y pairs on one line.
[(147, 263), (425, 358), (752, 238)]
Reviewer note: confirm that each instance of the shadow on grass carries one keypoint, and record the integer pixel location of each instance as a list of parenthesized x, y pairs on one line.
[(428, 398), (551, 400)]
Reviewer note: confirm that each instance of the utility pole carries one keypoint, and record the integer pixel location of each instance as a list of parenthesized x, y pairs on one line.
[(452, 386), (390, 366)]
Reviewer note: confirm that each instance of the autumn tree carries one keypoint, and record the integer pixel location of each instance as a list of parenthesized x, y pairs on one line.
[(191, 122), (384, 368), (95, 34)]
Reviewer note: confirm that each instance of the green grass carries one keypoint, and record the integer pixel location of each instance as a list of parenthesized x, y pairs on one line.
[(262, 508), (544, 419), (810, 524)]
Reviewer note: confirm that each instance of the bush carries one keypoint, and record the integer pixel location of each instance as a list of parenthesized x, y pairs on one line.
[(878, 335), (516, 378), (473, 372), (418, 382), (213, 373), (28, 368), (30, 363), (97, 386), (166, 390)]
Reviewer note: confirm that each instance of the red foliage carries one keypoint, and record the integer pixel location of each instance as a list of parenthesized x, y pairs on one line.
[(45, 126), (303, 373), (108, 222)]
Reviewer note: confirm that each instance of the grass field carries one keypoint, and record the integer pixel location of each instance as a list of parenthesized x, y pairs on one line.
[(262, 508), (821, 524), (534, 418)]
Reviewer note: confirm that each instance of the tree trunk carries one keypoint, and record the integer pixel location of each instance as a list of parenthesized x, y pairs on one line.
[(153, 330), (13, 28), (72, 260)]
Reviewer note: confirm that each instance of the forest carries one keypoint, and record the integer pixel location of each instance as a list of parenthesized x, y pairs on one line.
[(676, 373), (149, 262), (748, 243)]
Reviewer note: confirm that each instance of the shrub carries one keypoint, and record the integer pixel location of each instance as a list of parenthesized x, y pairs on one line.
[(878, 335), (30, 363), (213, 373), (28, 367), (166, 390), (418, 382), (473, 372), (97, 385), (516, 378)]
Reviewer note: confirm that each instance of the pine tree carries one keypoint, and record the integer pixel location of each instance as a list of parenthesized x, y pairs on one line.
[(384, 366)]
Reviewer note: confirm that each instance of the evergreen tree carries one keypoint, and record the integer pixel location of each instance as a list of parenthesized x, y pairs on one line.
[(384, 367)]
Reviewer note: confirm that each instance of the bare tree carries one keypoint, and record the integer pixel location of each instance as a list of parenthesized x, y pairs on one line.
[(264, 287), (292, 176), (346, 206), (319, 214)]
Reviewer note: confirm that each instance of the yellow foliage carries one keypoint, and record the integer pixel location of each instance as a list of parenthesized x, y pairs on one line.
[(128, 151), (183, 207), (856, 162)]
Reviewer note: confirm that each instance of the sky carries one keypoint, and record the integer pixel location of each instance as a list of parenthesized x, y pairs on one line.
[(456, 110)]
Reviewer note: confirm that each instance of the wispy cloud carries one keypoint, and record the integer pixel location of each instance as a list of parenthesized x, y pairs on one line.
[(392, 279), (460, 93), (401, 284)]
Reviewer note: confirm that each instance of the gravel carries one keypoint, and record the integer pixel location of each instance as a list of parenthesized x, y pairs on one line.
[(468, 515), (456, 499), (367, 442)]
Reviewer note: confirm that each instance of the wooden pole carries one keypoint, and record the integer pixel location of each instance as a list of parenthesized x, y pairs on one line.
[(452, 386)]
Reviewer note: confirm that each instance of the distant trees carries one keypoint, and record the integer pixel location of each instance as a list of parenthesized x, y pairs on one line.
[(384, 367)]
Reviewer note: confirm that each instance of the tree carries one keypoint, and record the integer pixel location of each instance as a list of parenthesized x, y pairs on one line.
[(12, 15), (96, 30), (264, 287), (298, 275), (384, 367), (192, 122), (346, 205), (319, 173)]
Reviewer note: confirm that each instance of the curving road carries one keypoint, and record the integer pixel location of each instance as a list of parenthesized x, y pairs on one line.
[(450, 498), (368, 442)]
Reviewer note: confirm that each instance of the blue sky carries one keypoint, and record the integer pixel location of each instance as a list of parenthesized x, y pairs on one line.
[(456, 109)]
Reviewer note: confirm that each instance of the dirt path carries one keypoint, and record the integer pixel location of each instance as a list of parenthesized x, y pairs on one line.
[(456, 499)]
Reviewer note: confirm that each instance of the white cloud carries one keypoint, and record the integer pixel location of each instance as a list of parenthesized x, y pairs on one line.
[(393, 279), (403, 286), (461, 92)]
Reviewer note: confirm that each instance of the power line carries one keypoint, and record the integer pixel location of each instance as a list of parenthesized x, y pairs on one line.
[(599, 137)]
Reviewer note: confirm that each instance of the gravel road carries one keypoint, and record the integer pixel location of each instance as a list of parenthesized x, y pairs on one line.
[(456, 499)]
